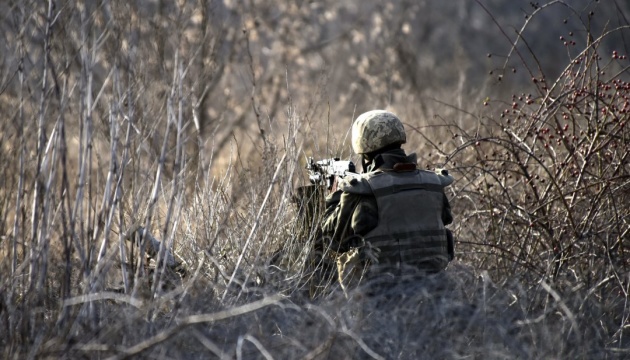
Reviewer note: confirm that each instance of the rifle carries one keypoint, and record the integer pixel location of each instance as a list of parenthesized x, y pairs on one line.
[(324, 172)]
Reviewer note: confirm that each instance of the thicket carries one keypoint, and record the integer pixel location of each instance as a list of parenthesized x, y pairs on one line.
[(189, 123)]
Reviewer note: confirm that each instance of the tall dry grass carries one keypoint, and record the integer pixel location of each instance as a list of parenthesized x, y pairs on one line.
[(126, 124)]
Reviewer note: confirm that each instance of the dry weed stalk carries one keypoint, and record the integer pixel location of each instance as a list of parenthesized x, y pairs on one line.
[(125, 115)]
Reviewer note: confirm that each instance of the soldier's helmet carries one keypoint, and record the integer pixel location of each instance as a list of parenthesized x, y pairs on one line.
[(375, 130)]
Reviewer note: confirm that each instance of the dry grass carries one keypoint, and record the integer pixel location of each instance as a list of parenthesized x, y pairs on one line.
[(169, 117)]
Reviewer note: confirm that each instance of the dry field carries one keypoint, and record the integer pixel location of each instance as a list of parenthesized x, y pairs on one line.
[(151, 154)]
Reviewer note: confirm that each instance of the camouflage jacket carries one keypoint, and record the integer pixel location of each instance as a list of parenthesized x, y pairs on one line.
[(350, 216)]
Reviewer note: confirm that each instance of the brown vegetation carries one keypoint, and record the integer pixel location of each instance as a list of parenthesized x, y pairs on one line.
[(193, 119)]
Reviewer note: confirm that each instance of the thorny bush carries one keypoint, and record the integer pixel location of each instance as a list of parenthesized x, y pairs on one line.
[(544, 188)]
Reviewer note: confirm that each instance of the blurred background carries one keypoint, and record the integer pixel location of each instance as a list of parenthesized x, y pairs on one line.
[(244, 63)]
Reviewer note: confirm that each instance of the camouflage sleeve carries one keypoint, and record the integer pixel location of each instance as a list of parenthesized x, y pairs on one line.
[(365, 216), (447, 216), (331, 214), (445, 179), (337, 223)]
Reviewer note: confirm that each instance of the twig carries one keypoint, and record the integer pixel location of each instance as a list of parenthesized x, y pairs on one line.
[(196, 319)]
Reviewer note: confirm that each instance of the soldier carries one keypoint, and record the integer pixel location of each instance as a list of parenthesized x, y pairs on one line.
[(393, 215)]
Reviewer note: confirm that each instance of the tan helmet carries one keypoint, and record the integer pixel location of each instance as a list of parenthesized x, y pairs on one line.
[(376, 129)]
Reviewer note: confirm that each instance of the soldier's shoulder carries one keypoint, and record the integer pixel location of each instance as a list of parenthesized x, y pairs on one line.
[(445, 177), (355, 184), (437, 176)]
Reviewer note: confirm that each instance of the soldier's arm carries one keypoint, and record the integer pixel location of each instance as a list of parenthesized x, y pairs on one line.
[(331, 214), (365, 216), (445, 179), (447, 215)]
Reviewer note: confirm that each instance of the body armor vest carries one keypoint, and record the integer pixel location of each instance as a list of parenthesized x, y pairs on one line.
[(410, 229)]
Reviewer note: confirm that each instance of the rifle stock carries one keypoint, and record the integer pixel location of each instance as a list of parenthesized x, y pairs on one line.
[(324, 172)]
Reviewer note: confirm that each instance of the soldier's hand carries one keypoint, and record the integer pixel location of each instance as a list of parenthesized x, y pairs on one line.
[(333, 187)]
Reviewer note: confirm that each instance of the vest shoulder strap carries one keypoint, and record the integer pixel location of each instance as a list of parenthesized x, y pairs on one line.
[(388, 190), (355, 184)]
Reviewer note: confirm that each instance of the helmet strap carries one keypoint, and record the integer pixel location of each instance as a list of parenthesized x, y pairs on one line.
[(365, 163)]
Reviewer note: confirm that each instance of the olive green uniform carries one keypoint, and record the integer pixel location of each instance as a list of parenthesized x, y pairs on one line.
[(396, 208)]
